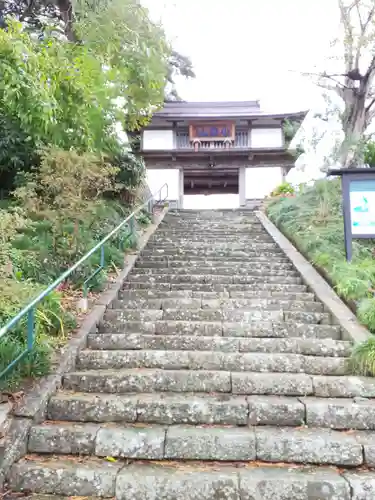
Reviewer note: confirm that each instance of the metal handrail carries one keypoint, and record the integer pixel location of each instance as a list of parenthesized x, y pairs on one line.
[(30, 308)]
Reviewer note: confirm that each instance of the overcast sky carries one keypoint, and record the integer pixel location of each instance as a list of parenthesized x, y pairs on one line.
[(250, 49)]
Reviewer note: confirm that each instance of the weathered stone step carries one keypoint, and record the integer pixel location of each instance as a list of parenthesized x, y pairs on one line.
[(148, 380), (192, 264), (203, 240), (231, 231), (154, 408), (179, 260), (135, 277), (223, 303), (203, 409), (193, 254), (216, 287), (262, 329), (287, 384), (276, 384), (186, 294), (190, 246), (268, 444), (247, 315), (136, 341), (206, 360), (220, 270), (177, 481), (124, 315), (314, 446)]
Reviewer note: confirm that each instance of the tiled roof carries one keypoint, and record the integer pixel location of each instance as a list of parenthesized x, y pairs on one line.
[(183, 109)]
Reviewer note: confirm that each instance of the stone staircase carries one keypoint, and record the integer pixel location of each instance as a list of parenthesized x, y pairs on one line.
[(216, 375)]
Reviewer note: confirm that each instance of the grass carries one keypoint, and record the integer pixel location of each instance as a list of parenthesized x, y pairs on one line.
[(313, 221), (34, 258)]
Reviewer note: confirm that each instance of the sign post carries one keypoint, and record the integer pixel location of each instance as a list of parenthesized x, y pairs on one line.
[(358, 196)]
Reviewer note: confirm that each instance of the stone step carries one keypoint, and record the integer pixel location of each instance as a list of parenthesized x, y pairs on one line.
[(215, 443), (180, 260), (222, 265), (215, 287), (232, 231), (192, 254), (277, 384), (211, 315), (137, 341), (206, 240), (135, 277), (124, 315), (208, 409), (148, 380), (261, 329), (186, 294), (219, 270), (223, 303), (190, 246), (62, 476), (213, 361)]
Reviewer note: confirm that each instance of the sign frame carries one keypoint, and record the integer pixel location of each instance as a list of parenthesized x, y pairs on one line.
[(193, 136), (348, 176)]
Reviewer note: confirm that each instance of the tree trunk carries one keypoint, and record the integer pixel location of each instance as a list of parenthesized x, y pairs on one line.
[(354, 126)]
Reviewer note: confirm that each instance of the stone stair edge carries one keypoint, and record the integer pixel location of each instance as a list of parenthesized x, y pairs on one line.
[(193, 482), (200, 409), (235, 362), (135, 341), (258, 329), (125, 381), (305, 445)]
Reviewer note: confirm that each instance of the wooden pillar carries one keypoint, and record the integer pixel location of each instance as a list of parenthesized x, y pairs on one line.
[(242, 186), (181, 188)]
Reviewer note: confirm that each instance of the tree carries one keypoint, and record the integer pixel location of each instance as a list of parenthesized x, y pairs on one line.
[(111, 21), (178, 65), (354, 84)]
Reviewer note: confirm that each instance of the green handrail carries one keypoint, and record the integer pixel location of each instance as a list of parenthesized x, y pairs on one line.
[(29, 310)]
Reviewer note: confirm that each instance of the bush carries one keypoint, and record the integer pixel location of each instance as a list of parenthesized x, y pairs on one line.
[(66, 211), (313, 221), (284, 188)]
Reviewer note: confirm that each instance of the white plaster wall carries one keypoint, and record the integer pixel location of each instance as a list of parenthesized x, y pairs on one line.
[(266, 138), (157, 177), (157, 139), (260, 181)]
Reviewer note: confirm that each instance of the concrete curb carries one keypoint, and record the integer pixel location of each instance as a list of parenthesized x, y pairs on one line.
[(351, 328), (32, 408)]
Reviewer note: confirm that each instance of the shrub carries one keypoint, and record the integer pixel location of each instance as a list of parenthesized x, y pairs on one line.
[(313, 221), (363, 358), (284, 188), (51, 322)]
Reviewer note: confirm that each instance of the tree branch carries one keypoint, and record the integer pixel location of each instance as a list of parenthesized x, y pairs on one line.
[(345, 19), (368, 108)]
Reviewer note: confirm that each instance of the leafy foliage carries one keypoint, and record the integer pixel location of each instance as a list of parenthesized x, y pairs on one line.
[(313, 221), (64, 215), (369, 153), (72, 74), (284, 188)]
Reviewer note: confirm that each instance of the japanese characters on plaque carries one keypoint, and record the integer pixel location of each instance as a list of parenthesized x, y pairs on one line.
[(212, 131)]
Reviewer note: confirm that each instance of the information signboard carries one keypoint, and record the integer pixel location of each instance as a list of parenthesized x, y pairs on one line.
[(362, 207), (358, 196)]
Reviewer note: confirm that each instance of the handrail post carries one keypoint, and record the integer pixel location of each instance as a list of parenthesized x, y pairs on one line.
[(133, 236), (30, 328), (150, 208)]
